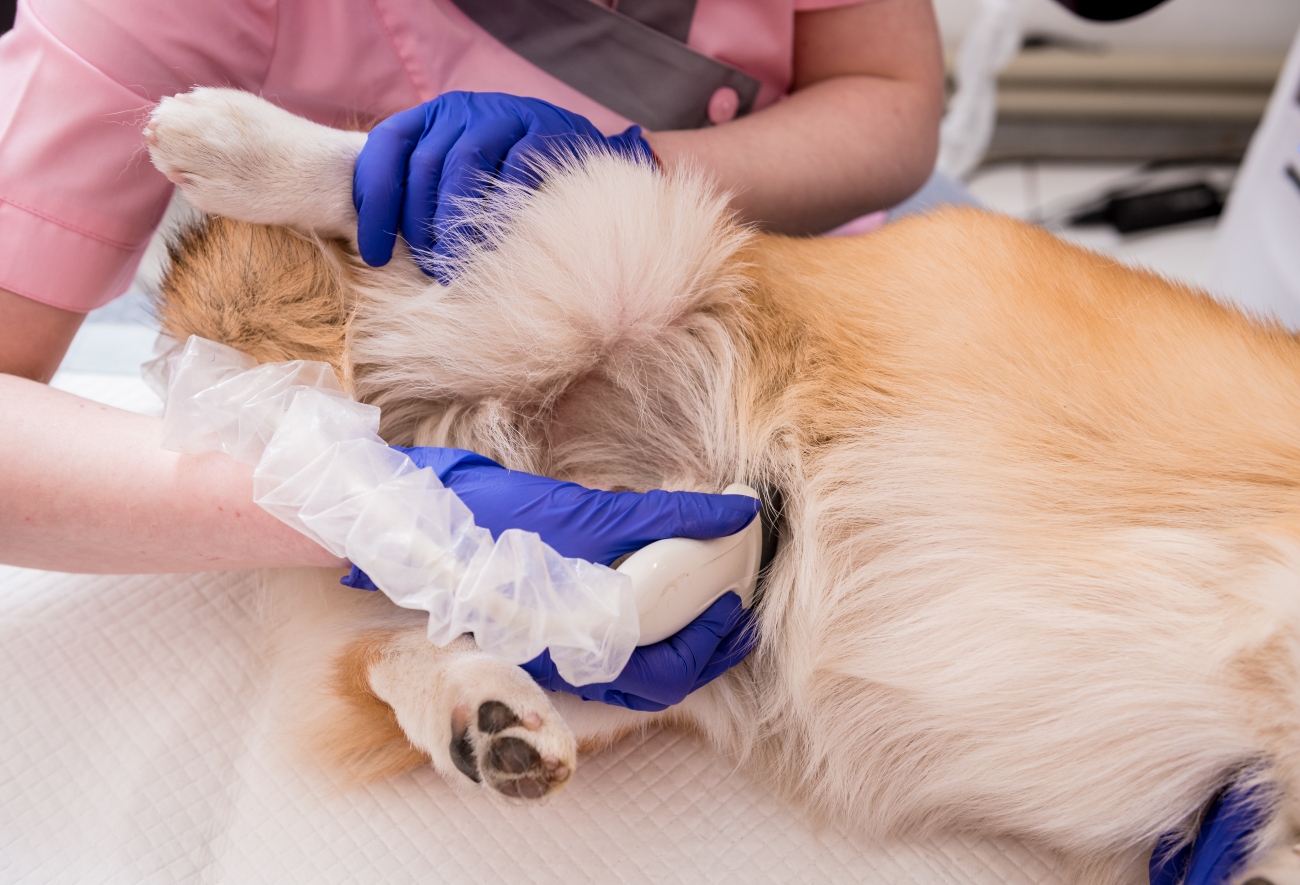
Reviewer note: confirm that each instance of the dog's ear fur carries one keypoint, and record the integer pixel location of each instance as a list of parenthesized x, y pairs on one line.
[(266, 291)]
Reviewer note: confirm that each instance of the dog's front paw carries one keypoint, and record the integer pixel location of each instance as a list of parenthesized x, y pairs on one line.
[(518, 754), (210, 141), (234, 154)]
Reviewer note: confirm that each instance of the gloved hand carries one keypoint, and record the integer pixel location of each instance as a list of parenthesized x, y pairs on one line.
[(600, 527), (1224, 842), (664, 673), (420, 166), (576, 521)]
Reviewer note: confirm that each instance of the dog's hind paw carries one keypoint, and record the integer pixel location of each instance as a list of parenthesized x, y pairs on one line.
[(483, 717), (510, 753)]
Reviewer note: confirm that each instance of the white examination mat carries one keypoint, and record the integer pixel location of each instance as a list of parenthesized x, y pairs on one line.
[(134, 748)]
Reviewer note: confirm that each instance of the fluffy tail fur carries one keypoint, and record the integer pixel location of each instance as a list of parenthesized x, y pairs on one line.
[(607, 273)]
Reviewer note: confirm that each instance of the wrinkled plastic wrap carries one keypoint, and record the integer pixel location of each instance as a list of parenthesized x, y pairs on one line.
[(321, 467)]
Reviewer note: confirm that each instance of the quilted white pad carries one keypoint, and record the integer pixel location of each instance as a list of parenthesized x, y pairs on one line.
[(134, 747)]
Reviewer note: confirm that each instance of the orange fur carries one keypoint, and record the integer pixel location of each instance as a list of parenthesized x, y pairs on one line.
[(364, 742), (266, 291), (1080, 391), (1040, 570)]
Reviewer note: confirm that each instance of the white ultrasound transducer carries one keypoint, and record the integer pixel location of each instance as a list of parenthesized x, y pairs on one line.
[(676, 579)]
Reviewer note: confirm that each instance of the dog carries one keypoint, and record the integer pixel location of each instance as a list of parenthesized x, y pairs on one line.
[(1039, 571)]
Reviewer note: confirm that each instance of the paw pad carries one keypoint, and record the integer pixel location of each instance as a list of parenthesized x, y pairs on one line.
[(509, 763)]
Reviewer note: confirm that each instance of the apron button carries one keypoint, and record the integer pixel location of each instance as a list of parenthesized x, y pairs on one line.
[(723, 105)]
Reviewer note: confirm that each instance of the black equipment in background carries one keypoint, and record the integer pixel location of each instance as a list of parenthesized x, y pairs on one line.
[(7, 10), (1109, 10), (1130, 213)]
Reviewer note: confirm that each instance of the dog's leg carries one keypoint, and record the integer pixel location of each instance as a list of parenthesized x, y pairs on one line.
[(361, 691), (468, 711), (236, 155)]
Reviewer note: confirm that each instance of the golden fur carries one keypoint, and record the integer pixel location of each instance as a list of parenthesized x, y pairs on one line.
[(1039, 570), (220, 268)]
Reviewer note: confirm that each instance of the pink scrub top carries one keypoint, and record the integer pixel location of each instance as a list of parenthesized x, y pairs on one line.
[(79, 198)]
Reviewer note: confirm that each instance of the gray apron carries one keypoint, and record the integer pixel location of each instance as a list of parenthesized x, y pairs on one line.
[(634, 61)]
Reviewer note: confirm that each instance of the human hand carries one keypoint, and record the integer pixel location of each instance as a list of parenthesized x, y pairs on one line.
[(421, 167), (576, 521), (601, 526), (664, 673)]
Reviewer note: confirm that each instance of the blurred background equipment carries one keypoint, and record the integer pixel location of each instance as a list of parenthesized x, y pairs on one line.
[(978, 71), (1186, 79), (1121, 135), (1256, 257)]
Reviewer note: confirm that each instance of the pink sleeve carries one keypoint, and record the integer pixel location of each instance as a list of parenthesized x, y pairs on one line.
[(78, 196), (810, 5)]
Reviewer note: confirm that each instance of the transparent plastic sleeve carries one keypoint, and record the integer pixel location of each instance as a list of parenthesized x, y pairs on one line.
[(321, 467)]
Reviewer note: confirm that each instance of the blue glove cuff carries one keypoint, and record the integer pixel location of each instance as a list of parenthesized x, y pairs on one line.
[(445, 462)]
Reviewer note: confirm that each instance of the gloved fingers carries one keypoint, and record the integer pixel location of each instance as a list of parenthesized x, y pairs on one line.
[(543, 672), (579, 522), (608, 525), (592, 524), (630, 702), (379, 183), (546, 119), (358, 579), (712, 643), (424, 184), (554, 135), (549, 141), (521, 164), (470, 169), (631, 520), (699, 640), (740, 637), (503, 499), (630, 143), (666, 672), (691, 514)]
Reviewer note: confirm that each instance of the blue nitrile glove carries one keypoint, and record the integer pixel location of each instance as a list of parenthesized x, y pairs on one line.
[(664, 673), (576, 521), (419, 166), (600, 527), (1221, 845)]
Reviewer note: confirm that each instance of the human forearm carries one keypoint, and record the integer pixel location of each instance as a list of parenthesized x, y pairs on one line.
[(834, 151), (858, 133), (87, 488), (34, 336)]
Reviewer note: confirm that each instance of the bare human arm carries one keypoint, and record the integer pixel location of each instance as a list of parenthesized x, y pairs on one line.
[(858, 133), (87, 488)]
